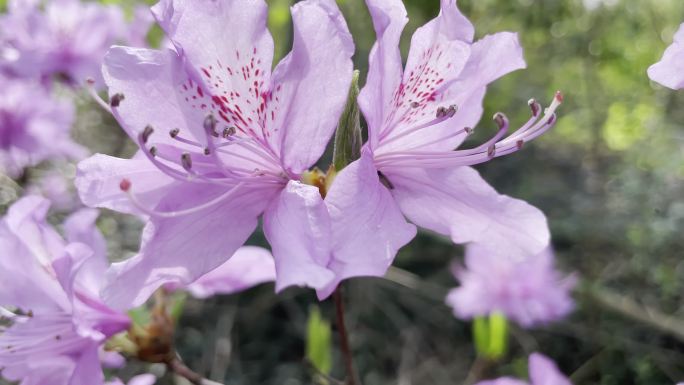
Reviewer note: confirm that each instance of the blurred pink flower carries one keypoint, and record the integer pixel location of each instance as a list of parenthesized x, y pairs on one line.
[(223, 140), (249, 266), (67, 38), (669, 71), (57, 186), (61, 323), (33, 126), (542, 371), (525, 288)]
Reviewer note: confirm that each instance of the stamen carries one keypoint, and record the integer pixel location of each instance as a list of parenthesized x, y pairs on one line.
[(495, 147), (186, 161), (535, 107), (228, 132), (116, 99), (125, 185), (184, 140), (447, 112), (210, 126), (174, 133), (439, 119), (90, 87), (145, 134), (178, 213)]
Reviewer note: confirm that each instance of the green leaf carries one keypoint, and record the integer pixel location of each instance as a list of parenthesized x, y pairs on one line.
[(348, 135), (319, 341)]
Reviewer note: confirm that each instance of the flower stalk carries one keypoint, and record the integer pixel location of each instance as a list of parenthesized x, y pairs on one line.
[(344, 338)]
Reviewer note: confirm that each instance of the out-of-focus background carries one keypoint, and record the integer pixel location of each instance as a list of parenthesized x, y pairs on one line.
[(609, 176)]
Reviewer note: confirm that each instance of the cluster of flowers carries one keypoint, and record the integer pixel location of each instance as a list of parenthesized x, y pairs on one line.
[(224, 141), (45, 47)]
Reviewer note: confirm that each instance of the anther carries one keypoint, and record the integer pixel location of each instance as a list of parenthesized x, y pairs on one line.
[(451, 111), (186, 161), (153, 151), (468, 130), (491, 150), (174, 133), (551, 120), (116, 99), (535, 107), (559, 96), (210, 125), (519, 144), (228, 132), (501, 120), (415, 104), (125, 185), (145, 135), (90, 81), (207, 151), (446, 112)]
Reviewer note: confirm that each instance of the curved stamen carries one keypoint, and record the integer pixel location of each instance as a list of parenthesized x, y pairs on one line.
[(488, 150), (126, 187), (442, 114), (90, 87)]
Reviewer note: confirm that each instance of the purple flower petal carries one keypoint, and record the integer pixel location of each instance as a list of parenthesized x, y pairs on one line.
[(297, 225), (312, 99), (367, 225), (459, 203), (80, 227), (384, 64), (543, 371), (182, 248), (249, 266), (98, 180), (669, 71)]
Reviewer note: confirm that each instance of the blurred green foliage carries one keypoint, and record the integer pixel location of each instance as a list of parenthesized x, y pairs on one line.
[(318, 341), (490, 336)]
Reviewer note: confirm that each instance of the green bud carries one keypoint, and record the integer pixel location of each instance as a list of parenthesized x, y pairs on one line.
[(348, 135), (490, 335)]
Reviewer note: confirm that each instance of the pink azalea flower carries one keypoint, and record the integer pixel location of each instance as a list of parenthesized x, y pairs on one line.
[(59, 37), (249, 266), (526, 289), (61, 323), (542, 371), (669, 71), (417, 116), (33, 127), (224, 140)]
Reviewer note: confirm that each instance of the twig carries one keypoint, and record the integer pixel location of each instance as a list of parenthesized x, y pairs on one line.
[(629, 308), (344, 339), (478, 370), (176, 366)]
